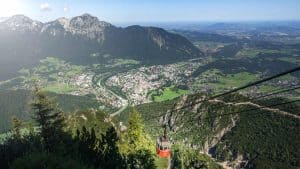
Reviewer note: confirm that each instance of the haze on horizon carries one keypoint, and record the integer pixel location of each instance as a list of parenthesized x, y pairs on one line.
[(156, 10)]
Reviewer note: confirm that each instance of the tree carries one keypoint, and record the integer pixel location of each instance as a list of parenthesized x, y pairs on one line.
[(17, 124), (142, 159), (186, 158), (135, 138), (135, 144), (47, 161), (110, 150), (49, 119), (87, 145)]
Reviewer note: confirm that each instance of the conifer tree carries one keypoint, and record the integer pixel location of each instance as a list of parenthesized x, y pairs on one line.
[(136, 145), (17, 124), (110, 150), (135, 138), (49, 119)]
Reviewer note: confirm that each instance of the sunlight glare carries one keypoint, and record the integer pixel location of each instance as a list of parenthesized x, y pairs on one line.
[(10, 7)]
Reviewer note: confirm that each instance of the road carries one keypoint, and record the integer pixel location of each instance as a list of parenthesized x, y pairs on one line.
[(125, 102)]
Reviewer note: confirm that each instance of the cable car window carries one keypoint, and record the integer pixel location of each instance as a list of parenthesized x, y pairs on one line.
[(160, 147)]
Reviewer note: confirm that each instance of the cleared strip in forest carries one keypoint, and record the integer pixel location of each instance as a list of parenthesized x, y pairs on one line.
[(274, 110)]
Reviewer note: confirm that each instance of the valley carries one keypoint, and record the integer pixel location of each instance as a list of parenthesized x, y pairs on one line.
[(112, 80)]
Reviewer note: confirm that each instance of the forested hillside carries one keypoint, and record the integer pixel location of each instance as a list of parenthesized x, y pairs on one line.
[(17, 103), (256, 137), (65, 141), (86, 139), (82, 93)]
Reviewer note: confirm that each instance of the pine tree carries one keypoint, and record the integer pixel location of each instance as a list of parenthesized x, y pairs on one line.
[(110, 150), (136, 145), (17, 124), (135, 138), (50, 120)]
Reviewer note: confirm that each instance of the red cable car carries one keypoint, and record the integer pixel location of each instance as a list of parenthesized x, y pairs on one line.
[(163, 146)]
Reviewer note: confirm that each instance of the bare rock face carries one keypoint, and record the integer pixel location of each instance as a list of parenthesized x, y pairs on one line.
[(55, 28), (21, 23), (89, 26), (86, 26)]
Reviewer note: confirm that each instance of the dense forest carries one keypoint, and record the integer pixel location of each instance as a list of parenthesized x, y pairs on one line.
[(85, 139), (263, 138), (16, 102), (51, 144)]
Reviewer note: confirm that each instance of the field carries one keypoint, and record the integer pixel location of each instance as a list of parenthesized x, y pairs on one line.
[(56, 75), (167, 93), (59, 88), (218, 82), (235, 80), (251, 52), (125, 62), (209, 46)]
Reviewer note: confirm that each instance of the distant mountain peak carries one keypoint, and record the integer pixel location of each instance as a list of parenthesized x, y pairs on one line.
[(89, 26), (87, 20), (85, 34), (63, 20), (3, 19), (87, 15), (20, 17), (22, 23)]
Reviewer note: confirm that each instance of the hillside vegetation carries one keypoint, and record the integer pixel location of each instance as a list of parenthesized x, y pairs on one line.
[(262, 138)]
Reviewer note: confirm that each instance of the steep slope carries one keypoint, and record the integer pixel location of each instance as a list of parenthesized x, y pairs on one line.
[(149, 44), (84, 39), (19, 44), (234, 137), (17, 103)]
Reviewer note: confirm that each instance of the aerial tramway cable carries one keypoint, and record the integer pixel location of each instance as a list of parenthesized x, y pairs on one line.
[(163, 143), (249, 110), (273, 92), (241, 88)]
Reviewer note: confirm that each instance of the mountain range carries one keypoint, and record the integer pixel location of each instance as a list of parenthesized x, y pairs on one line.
[(85, 39)]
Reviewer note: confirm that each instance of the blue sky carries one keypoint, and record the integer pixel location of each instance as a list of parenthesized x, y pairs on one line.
[(156, 10)]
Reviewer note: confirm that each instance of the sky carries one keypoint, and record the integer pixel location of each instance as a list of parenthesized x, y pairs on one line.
[(156, 10)]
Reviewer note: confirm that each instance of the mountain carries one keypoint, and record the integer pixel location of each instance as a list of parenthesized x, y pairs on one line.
[(237, 135), (3, 19), (84, 39)]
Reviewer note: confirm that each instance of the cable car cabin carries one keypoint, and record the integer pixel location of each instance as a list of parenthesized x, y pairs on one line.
[(163, 147)]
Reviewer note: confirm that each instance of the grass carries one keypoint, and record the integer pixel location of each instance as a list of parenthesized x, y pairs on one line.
[(287, 77), (236, 80), (52, 73), (209, 45), (290, 59), (161, 163), (168, 93), (247, 53), (267, 88), (218, 82), (59, 88), (55, 65), (251, 52), (126, 62)]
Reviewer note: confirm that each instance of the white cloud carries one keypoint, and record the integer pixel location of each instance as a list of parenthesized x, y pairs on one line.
[(66, 9), (45, 7)]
